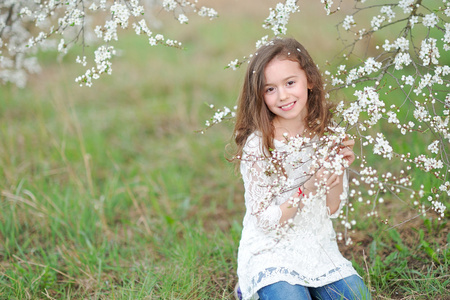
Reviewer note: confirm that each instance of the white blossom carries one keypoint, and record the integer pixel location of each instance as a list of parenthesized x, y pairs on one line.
[(279, 17), (81, 61), (110, 32), (402, 43), (421, 113), (62, 47), (439, 207), (368, 101), (382, 146), (169, 5), (387, 45), (402, 59), (409, 80), (446, 38), (430, 20), (445, 187), (234, 64), (371, 65), (327, 5), (389, 12), (428, 163), (413, 20), (182, 19), (121, 15), (406, 5), (220, 115), (447, 11), (262, 41), (349, 22), (98, 31), (377, 21), (392, 117), (434, 147), (429, 52), (207, 12)]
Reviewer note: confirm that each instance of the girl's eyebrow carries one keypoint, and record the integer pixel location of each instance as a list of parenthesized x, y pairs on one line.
[(284, 79)]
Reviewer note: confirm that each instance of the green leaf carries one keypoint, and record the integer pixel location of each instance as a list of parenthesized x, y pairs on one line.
[(169, 219), (373, 250), (390, 258), (395, 236), (427, 224), (430, 251)]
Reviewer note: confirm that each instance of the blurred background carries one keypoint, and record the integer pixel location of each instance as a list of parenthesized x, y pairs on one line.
[(109, 192)]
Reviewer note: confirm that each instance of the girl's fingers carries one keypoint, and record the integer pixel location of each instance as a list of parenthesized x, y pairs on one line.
[(330, 179), (348, 154), (347, 151), (333, 181), (349, 143)]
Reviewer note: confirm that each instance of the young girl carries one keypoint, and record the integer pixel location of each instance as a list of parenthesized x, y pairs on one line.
[(288, 248)]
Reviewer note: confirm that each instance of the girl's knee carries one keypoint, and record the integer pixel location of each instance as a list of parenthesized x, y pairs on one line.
[(355, 287), (351, 288), (283, 291)]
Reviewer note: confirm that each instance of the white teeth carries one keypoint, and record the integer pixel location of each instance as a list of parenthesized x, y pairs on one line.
[(289, 105)]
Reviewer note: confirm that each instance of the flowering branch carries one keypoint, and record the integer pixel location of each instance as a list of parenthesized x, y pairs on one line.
[(27, 26)]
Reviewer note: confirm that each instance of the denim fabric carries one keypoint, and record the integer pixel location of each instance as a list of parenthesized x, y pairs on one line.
[(351, 288)]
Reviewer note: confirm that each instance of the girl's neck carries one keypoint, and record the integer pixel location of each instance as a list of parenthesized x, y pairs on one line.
[(292, 129)]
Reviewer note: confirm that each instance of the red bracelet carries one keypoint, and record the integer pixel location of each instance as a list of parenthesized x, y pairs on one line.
[(299, 192)]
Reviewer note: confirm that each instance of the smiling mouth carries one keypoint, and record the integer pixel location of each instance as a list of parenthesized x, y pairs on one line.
[(288, 106)]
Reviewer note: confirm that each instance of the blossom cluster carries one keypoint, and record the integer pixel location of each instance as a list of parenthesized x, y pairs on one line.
[(219, 116), (181, 6), (368, 100), (276, 21), (279, 16), (27, 26), (408, 65), (327, 4)]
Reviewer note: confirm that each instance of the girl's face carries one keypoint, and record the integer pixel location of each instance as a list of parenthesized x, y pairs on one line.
[(286, 91)]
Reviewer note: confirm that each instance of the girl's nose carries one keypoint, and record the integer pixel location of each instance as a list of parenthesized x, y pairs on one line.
[(282, 94)]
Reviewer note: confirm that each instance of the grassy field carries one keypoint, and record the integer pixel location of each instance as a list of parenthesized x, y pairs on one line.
[(108, 193)]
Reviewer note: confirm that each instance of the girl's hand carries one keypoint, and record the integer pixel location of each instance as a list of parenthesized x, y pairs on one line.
[(332, 179), (346, 150)]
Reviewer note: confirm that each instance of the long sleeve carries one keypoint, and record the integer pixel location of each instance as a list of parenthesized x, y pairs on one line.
[(343, 196), (257, 184)]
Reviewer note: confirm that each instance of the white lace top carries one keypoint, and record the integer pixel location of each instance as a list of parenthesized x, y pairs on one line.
[(306, 254)]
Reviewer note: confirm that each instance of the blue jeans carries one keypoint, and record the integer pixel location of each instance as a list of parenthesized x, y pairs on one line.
[(352, 288)]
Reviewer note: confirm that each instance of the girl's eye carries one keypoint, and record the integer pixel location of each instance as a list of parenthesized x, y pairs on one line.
[(291, 82), (271, 89)]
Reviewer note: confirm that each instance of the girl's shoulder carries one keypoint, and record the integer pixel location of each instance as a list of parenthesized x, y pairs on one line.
[(253, 143), (254, 139), (254, 146)]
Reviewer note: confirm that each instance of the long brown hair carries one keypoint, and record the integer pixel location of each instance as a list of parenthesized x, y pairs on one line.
[(253, 113)]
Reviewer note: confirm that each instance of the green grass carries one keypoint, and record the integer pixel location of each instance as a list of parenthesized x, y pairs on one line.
[(408, 262), (108, 193)]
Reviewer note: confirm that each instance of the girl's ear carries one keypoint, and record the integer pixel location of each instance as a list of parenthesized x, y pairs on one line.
[(309, 84)]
